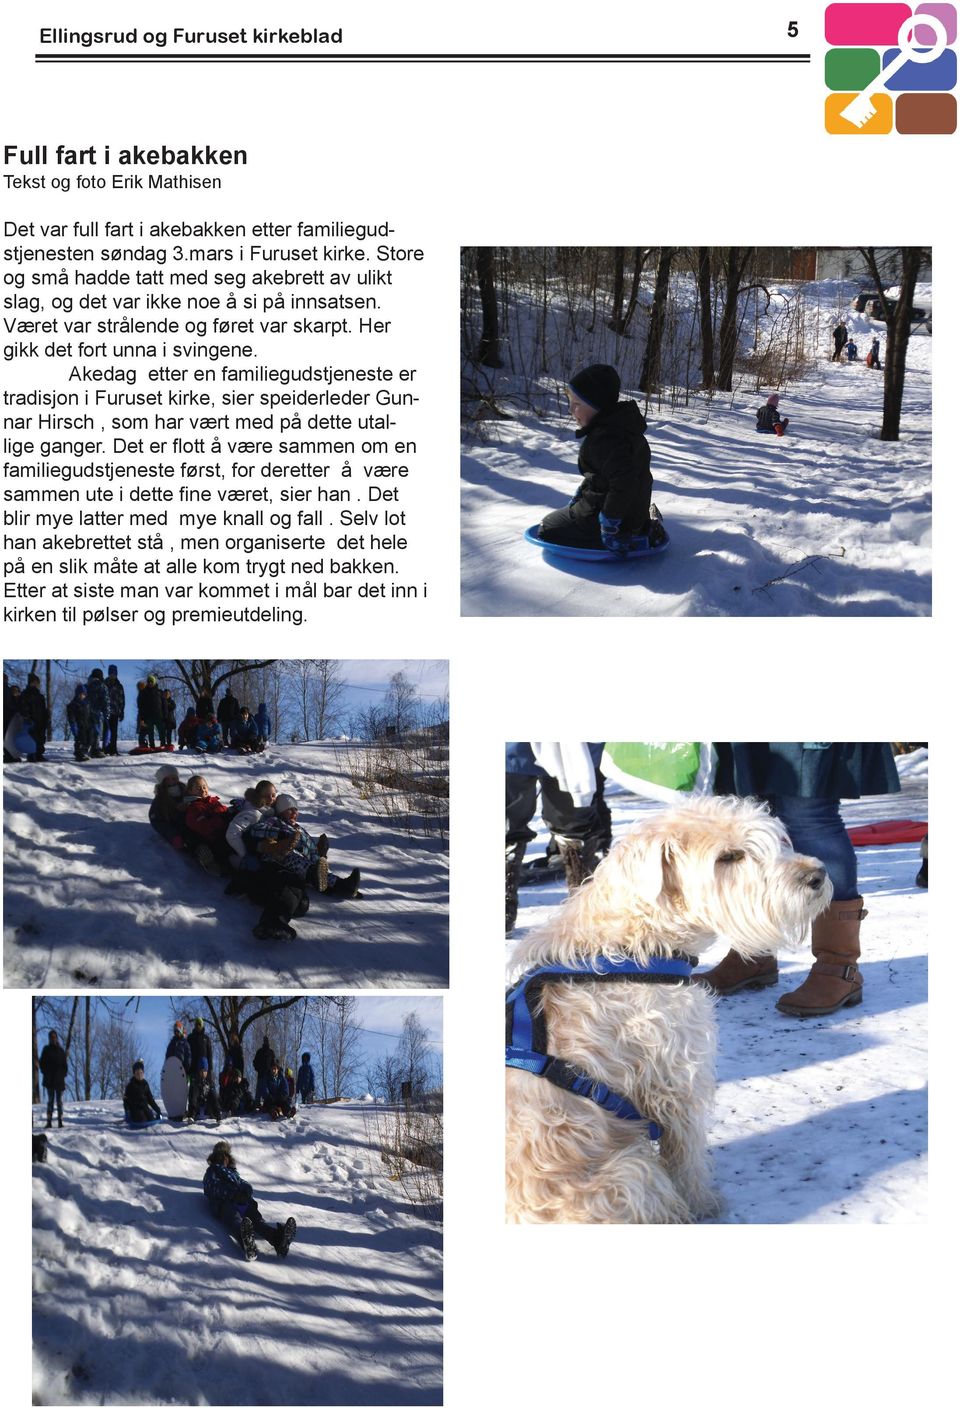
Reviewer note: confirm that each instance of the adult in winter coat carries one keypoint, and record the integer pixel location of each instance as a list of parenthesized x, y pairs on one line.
[(203, 1093), (168, 729), (276, 1094), (116, 706), (233, 1203), (769, 420), (839, 340), (802, 783), (235, 1052), (81, 724), (571, 803), (53, 1072), (150, 705), (32, 707), (263, 1063), (228, 714), (99, 710), (263, 723), (306, 1084), (201, 1048), (138, 1102), (611, 508), (179, 1046)]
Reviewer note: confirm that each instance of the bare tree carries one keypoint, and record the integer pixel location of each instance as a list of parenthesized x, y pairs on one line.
[(336, 1031), (650, 371), (400, 703), (898, 318), (488, 351), (707, 374)]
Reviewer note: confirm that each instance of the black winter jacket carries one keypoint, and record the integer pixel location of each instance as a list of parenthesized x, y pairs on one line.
[(263, 1060), (615, 464), (138, 1101), (150, 704), (53, 1067), (200, 1046)]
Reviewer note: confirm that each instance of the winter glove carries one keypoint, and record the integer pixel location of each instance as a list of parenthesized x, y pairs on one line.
[(611, 537)]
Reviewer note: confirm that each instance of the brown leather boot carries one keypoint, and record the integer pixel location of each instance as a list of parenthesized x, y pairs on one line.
[(733, 974), (834, 981)]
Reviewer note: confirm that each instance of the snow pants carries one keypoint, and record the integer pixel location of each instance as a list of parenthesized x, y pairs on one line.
[(51, 1096), (558, 809), (282, 893)]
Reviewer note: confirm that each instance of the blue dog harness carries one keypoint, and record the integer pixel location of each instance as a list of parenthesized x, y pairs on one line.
[(527, 1029)]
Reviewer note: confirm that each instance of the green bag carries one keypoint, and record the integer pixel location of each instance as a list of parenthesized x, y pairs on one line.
[(667, 772)]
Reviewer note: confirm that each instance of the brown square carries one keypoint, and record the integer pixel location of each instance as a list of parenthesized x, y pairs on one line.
[(926, 114)]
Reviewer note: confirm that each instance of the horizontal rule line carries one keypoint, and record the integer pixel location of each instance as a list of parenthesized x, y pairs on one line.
[(425, 58)]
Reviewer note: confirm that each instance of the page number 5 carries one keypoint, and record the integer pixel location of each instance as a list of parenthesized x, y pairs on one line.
[(792, 29)]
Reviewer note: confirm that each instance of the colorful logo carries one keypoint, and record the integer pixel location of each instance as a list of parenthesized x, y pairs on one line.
[(893, 68)]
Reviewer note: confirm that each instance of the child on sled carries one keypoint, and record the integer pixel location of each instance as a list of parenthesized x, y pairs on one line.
[(769, 420)]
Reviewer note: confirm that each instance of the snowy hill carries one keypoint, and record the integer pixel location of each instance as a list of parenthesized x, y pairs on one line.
[(824, 1119), (94, 897), (141, 1296), (827, 521)]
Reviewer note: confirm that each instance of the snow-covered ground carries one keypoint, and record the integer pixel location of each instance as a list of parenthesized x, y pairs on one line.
[(141, 1295), (828, 520), (822, 1119), (93, 897)]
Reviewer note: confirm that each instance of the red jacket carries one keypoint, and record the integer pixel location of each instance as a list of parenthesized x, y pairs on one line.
[(208, 817)]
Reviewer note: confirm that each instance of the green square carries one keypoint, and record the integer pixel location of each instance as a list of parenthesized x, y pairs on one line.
[(850, 70)]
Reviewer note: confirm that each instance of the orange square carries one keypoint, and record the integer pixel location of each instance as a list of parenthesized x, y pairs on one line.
[(878, 125)]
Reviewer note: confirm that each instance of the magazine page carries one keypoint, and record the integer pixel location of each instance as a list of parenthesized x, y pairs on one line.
[(661, 283)]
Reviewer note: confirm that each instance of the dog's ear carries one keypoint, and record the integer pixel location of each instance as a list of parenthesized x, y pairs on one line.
[(653, 870)]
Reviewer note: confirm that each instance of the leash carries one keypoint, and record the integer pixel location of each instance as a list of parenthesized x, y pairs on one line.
[(527, 1027)]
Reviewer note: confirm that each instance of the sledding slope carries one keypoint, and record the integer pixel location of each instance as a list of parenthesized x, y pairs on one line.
[(93, 897), (142, 1297), (824, 1119), (827, 521)]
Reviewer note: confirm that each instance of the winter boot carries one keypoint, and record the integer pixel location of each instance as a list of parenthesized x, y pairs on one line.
[(921, 879), (347, 886), (247, 1239), (50, 1121), (580, 860), (59, 1121), (207, 859), (515, 856), (734, 974), (280, 1239), (834, 981)]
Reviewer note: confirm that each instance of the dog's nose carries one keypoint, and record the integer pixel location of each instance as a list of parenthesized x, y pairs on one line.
[(816, 879)]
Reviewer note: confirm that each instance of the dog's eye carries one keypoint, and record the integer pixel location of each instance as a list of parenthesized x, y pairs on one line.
[(730, 857)]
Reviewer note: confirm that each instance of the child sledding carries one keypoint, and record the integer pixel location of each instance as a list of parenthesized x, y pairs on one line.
[(232, 1201), (769, 419), (610, 515), (257, 841)]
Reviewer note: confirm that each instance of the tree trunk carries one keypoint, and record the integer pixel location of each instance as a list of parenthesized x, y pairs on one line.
[(36, 1053), (488, 352), (707, 373), (641, 259), (737, 259), (898, 340), (650, 372), (616, 317), (86, 1049)]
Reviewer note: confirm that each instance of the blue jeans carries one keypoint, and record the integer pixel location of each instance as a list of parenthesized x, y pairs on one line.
[(816, 829)]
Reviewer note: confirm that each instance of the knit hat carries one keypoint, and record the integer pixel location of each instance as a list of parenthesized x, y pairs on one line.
[(284, 803), (164, 771), (138, 1065), (178, 1027), (96, 674), (198, 1021), (773, 400), (204, 1063), (151, 679), (597, 385)]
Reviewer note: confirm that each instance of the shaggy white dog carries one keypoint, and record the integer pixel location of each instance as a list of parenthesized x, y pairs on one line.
[(720, 867)]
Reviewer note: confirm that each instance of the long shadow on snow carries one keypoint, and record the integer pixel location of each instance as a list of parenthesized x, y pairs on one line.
[(113, 1372), (870, 1137), (519, 489)]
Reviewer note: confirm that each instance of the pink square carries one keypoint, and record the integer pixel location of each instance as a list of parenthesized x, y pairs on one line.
[(947, 14)]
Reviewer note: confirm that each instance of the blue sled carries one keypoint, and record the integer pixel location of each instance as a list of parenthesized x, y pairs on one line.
[(142, 1124), (532, 535)]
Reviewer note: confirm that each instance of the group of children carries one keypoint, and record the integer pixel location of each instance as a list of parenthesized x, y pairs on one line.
[(256, 840), (233, 727)]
